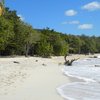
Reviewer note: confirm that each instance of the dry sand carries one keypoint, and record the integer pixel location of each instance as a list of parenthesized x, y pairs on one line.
[(32, 78)]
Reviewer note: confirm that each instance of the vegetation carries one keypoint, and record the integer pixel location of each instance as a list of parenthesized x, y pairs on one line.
[(20, 38), (1, 7)]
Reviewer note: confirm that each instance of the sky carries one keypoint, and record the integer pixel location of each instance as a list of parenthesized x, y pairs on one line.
[(67, 16)]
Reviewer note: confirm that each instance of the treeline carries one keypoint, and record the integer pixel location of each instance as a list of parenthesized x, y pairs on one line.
[(20, 38)]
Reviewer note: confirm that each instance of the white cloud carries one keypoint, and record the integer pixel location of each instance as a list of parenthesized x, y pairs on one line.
[(92, 6), (85, 26), (70, 12), (71, 22), (74, 22), (21, 17)]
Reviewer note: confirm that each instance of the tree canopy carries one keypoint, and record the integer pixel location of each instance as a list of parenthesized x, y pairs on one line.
[(20, 38)]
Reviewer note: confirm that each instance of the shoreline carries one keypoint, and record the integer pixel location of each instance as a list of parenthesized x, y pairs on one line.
[(80, 85), (33, 78)]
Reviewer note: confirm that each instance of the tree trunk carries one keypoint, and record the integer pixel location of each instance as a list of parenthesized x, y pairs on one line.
[(26, 49)]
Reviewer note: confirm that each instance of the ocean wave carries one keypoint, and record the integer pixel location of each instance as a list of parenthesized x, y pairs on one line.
[(86, 70)]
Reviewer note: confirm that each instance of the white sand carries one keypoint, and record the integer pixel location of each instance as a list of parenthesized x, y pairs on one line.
[(32, 78)]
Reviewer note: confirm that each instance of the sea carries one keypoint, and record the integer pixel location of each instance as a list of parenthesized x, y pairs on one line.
[(88, 70)]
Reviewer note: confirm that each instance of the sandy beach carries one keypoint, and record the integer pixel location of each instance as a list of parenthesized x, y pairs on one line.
[(32, 78)]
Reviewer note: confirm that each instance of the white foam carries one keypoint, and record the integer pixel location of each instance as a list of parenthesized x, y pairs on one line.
[(78, 77), (80, 91), (60, 91), (87, 71)]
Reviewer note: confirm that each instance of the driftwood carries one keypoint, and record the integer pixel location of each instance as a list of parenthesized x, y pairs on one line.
[(69, 62)]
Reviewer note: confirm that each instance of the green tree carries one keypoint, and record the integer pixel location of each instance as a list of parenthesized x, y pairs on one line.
[(60, 48), (6, 32), (44, 49), (30, 37)]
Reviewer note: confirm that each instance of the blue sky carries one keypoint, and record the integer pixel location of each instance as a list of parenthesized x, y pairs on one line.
[(67, 16)]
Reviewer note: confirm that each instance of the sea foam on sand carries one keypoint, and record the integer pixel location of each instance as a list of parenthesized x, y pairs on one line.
[(87, 70)]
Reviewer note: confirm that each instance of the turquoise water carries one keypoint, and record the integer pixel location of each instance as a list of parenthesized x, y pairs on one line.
[(87, 69)]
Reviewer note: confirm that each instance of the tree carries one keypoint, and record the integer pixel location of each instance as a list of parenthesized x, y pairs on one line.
[(98, 44), (31, 36), (74, 43), (60, 48), (6, 32), (16, 37), (44, 49)]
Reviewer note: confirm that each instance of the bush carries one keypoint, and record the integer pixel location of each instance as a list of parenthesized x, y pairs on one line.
[(44, 49)]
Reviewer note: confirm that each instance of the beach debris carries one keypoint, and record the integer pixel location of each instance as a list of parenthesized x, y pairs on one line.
[(69, 62), (16, 62), (44, 64), (36, 60)]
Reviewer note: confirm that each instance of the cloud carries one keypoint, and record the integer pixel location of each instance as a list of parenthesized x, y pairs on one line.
[(70, 12), (21, 17), (74, 22), (92, 6), (71, 22), (85, 26)]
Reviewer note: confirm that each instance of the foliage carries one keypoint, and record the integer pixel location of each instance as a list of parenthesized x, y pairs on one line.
[(44, 49), (60, 48), (6, 32), (20, 38)]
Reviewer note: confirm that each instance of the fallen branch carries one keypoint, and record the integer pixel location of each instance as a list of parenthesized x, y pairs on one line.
[(69, 62)]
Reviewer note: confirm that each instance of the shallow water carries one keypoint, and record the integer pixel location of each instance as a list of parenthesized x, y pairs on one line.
[(88, 70)]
